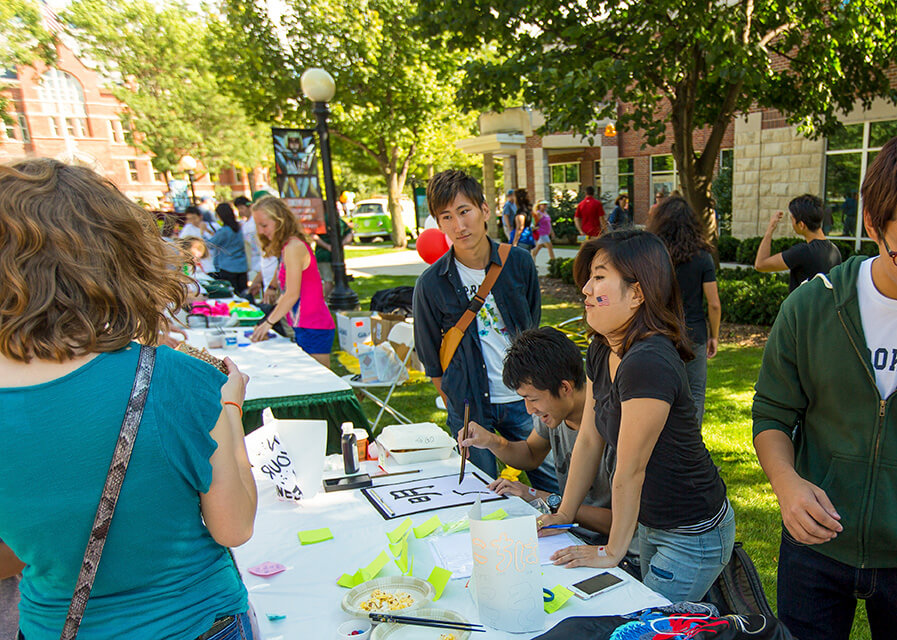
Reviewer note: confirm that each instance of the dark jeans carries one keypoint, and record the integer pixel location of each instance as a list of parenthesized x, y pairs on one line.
[(513, 422), (696, 372), (817, 596), (237, 280)]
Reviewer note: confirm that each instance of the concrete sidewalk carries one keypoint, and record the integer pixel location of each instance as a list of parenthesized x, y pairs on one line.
[(408, 263)]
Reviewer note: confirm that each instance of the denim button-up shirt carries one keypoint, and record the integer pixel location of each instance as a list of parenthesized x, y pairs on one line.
[(439, 301)]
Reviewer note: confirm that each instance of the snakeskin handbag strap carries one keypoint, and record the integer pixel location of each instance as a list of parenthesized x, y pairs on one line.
[(111, 490)]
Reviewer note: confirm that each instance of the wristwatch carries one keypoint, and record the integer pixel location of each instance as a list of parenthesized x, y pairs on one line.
[(554, 502)]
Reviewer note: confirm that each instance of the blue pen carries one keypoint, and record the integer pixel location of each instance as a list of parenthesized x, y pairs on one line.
[(560, 526)]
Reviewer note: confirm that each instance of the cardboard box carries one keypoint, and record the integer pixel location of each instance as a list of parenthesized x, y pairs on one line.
[(353, 329), (382, 324)]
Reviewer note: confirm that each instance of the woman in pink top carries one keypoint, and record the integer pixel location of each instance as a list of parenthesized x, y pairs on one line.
[(302, 301)]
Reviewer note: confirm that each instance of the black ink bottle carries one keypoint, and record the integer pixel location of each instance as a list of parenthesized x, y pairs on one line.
[(350, 449)]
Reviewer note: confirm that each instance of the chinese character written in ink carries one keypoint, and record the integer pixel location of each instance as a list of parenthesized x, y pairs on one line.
[(467, 493), (414, 495)]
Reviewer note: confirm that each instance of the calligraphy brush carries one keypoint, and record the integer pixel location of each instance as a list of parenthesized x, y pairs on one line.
[(464, 437)]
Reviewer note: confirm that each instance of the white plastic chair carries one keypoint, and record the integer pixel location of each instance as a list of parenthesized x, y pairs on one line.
[(401, 333)]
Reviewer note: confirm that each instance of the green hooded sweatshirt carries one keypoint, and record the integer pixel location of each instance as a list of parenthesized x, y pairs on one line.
[(817, 385)]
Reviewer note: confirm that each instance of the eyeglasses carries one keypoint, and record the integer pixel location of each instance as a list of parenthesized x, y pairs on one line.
[(891, 254)]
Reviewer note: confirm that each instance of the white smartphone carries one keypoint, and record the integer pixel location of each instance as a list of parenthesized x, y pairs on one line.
[(591, 587)]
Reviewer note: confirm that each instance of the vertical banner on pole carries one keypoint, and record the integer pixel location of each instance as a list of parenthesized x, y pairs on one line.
[(296, 164)]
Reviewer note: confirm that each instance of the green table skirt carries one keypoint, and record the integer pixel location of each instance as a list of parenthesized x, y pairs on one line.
[(335, 407)]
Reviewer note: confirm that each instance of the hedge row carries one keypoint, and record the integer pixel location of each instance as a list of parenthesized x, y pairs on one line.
[(747, 296), (744, 251)]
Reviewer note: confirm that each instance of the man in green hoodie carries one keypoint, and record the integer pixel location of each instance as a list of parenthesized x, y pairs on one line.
[(825, 431)]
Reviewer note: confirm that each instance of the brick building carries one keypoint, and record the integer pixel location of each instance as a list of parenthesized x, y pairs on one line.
[(67, 112), (771, 163)]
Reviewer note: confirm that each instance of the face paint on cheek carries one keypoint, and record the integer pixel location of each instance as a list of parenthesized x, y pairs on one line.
[(602, 301)]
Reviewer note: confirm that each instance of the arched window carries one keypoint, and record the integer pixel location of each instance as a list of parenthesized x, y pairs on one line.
[(63, 101)]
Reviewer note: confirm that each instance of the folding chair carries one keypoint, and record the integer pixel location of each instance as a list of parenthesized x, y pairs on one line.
[(402, 333)]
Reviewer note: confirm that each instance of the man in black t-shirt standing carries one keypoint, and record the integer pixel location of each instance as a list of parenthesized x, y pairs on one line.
[(805, 260)]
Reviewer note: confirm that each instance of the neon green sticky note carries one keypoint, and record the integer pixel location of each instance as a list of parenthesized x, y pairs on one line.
[(375, 567), (500, 514), (402, 562), (428, 527), (456, 526), (396, 534), (561, 595), (439, 577), (313, 536), (396, 548), (347, 581)]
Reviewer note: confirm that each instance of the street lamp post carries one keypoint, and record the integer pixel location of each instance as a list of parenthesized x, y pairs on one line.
[(188, 164), (318, 86)]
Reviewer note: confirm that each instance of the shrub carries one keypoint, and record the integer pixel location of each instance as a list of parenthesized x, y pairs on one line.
[(781, 244), (561, 269), (728, 248), (753, 300), (747, 250), (562, 210)]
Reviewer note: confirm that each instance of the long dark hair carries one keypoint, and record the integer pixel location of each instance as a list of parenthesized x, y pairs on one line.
[(675, 223), (524, 206), (641, 257), (226, 213)]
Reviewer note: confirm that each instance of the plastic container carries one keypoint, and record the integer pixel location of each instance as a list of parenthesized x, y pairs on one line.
[(354, 630), (418, 442), (361, 439)]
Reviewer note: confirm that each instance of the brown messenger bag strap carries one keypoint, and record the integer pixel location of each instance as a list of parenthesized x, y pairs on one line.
[(479, 298), (111, 490)]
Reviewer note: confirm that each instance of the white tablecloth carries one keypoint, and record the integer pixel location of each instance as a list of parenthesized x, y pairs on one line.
[(276, 367), (307, 592)]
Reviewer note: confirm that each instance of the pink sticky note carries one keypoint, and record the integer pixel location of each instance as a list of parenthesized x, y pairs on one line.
[(267, 569)]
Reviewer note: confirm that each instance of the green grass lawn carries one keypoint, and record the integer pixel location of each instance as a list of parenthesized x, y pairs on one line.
[(727, 433), (372, 249)]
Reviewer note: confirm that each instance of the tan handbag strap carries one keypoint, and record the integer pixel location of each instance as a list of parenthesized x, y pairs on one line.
[(111, 490), (479, 299)]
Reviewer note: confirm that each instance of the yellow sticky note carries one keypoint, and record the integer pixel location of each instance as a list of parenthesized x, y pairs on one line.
[(561, 595), (439, 577), (313, 536), (396, 548), (396, 534), (457, 525), (375, 567), (402, 562), (347, 581), (428, 527), (500, 514)]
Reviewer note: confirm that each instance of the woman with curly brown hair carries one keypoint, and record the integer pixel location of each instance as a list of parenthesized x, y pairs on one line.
[(302, 301), (675, 223), (86, 279)]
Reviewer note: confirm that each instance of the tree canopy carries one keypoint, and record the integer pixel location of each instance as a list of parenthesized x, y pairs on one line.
[(693, 65), (156, 58), (23, 39), (395, 89)]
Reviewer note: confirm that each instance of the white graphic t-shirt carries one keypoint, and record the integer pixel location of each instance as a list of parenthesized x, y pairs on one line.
[(879, 315), (494, 336)]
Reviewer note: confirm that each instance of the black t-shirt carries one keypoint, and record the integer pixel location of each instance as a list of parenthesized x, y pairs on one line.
[(691, 276), (807, 259), (682, 486)]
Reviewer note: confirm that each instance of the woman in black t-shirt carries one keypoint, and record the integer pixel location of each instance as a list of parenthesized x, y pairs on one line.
[(665, 482), (674, 222)]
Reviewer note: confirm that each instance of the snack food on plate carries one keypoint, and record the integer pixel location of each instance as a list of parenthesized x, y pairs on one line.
[(383, 601), (203, 355), (447, 636)]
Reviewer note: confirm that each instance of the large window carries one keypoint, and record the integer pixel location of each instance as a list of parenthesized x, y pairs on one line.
[(63, 100), (847, 155), (663, 176), (132, 171), (23, 128), (564, 177)]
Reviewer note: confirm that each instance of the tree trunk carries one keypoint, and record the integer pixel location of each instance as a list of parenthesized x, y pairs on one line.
[(394, 197)]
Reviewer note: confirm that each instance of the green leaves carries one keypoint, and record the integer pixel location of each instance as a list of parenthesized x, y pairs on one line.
[(23, 39)]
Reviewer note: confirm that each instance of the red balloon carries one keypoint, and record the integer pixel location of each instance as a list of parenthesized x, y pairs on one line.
[(431, 245)]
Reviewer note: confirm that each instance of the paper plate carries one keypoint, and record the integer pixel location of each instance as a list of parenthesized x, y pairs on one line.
[(409, 632), (420, 590)]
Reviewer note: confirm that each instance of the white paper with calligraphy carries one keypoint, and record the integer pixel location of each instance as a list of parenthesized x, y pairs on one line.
[(289, 453), (506, 572), (416, 496)]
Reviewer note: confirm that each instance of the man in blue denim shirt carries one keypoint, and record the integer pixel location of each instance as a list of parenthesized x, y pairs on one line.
[(442, 294)]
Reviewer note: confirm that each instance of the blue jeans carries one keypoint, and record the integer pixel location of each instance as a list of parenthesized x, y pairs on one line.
[(696, 372), (242, 628), (513, 422), (682, 567), (817, 596)]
